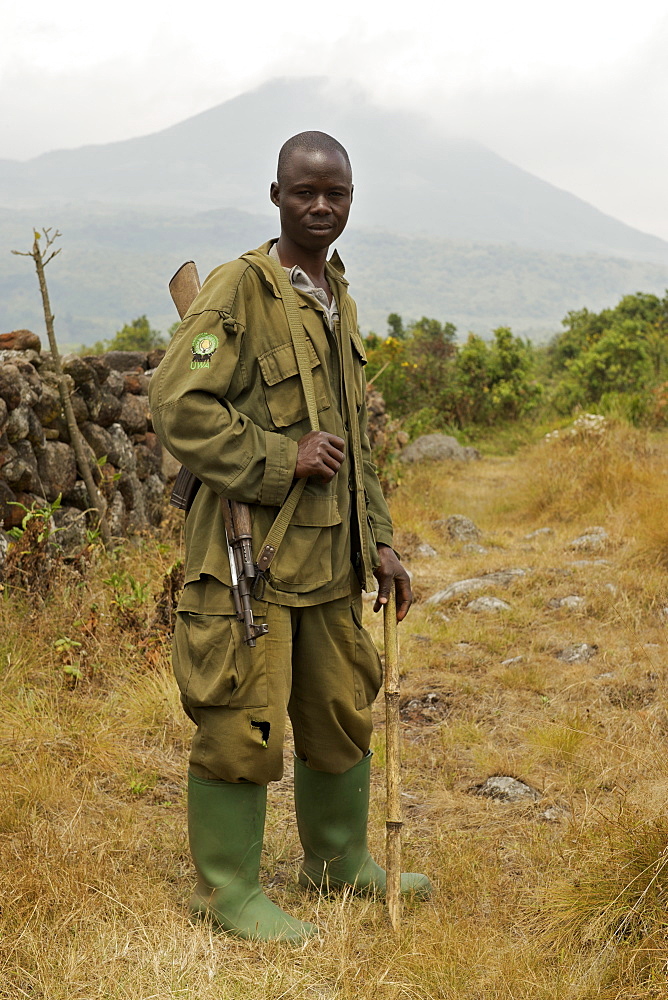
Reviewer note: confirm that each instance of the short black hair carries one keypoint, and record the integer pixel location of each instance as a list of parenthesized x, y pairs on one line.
[(311, 142)]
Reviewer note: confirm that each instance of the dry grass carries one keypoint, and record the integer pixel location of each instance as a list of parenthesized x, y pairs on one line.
[(565, 898)]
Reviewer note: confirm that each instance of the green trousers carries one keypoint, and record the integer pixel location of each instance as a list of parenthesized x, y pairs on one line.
[(317, 663)]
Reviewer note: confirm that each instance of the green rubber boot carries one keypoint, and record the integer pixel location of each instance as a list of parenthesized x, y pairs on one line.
[(332, 812), (226, 827)]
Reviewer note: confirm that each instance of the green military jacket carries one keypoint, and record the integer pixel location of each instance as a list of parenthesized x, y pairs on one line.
[(228, 403)]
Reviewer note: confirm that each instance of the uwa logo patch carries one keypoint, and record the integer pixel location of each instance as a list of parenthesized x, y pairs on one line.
[(203, 347)]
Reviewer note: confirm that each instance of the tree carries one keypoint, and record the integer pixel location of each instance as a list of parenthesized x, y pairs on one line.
[(395, 326), (137, 336), (601, 357), (41, 256)]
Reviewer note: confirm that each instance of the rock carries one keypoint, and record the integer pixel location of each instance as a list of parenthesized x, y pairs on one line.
[(81, 414), (592, 540), (586, 425), (590, 562), (48, 406), (136, 384), (461, 529), (147, 463), (4, 412), (571, 602), (152, 442), (32, 357), (513, 661), (155, 499), (35, 433), (134, 414), (507, 789), (121, 453), (475, 549), (70, 529), (487, 603), (115, 384), (20, 340), (499, 578), (117, 516), (131, 491), (579, 652), (32, 390), (425, 550), (438, 448), (7, 498), (155, 356), (99, 440), (4, 547), (126, 361), (92, 397), (77, 497), (99, 365), (109, 409), (10, 387), (553, 814), (78, 369), (538, 533), (170, 466), (57, 469), (20, 472)]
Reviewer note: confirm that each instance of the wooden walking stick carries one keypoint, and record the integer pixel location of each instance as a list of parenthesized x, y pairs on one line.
[(393, 822)]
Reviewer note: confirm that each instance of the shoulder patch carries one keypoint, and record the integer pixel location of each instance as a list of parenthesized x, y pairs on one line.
[(203, 347)]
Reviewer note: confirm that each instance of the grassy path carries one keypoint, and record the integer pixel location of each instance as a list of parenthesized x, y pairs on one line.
[(561, 895)]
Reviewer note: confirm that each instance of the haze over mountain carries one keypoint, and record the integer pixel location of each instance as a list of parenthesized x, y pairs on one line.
[(418, 193)]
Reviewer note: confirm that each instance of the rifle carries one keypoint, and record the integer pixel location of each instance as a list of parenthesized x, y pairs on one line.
[(246, 577)]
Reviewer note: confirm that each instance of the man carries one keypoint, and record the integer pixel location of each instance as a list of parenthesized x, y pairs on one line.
[(229, 402)]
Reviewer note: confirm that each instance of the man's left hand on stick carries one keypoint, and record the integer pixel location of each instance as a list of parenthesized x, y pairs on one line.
[(392, 573)]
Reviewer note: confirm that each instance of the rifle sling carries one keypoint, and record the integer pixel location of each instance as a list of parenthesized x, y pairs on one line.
[(276, 533)]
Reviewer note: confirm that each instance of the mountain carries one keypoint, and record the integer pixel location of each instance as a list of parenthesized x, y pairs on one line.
[(440, 226), (410, 177)]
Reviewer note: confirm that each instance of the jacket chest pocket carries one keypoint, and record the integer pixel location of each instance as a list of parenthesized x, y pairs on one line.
[(282, 385)]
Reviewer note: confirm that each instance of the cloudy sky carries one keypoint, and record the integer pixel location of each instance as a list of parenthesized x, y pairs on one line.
[(575, 92)]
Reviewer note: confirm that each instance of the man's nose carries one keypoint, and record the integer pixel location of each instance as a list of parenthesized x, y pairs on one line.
[(320, 205)]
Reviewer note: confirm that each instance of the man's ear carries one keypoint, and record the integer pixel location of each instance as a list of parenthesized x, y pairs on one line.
[(273, 192), (352, 191)]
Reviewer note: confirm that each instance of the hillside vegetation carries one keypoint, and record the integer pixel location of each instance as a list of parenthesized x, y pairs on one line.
[(562, 895), (115, 264), (615, 361)]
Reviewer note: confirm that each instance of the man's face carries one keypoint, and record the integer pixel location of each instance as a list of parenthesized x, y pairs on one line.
[(313, 198)]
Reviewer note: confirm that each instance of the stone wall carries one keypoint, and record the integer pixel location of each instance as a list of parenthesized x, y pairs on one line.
[(37, 463), (110, 402)]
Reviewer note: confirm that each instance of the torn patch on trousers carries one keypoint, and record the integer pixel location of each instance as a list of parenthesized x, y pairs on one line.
[(264, 728)]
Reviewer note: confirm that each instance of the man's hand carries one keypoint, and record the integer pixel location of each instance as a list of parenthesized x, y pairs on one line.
[(388, 573), (320, 454)]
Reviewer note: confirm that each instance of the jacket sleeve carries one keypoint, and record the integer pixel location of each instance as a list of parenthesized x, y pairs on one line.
[(194, 418)]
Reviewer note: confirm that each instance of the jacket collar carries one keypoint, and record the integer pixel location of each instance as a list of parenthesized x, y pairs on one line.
[(334, 268)]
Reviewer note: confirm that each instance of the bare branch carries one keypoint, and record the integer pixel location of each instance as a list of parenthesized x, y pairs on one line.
[(41, 259)]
